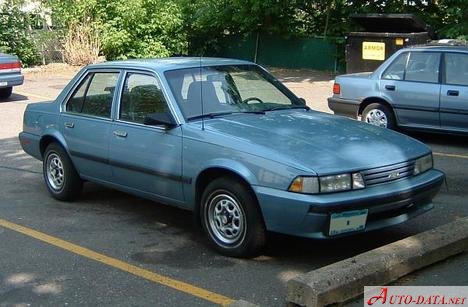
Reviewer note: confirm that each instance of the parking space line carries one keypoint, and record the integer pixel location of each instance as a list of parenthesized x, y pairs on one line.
[(33, 95), (449, 155), (121, 265)]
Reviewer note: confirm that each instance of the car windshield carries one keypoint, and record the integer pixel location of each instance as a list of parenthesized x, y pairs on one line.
[(219, 90)]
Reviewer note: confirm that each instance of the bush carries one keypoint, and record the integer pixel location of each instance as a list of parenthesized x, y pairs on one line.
[(15, 33), (82, 44)]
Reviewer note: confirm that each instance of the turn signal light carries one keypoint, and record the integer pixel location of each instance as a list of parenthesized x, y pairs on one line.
[(336, 88)]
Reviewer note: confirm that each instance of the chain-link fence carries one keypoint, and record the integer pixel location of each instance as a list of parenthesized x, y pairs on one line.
[(49, 44)]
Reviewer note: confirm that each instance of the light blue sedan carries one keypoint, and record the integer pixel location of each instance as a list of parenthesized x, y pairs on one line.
[(421, 88), (227, 140)]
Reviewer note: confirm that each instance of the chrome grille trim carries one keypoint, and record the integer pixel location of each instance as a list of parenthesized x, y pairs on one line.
[(384, 174)]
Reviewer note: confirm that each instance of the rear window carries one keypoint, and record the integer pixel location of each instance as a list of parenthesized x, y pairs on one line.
[(94, 95)]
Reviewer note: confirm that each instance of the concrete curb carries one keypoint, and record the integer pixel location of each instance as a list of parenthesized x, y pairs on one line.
[(341, 281)]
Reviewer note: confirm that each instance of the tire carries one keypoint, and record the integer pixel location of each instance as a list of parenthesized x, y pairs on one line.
[(5, 92), (379, 115), (227, 201), (61, 178)]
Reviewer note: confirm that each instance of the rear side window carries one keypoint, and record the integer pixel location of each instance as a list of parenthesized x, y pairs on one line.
[(423, 67), (396, 70), (456, 68), (141, 96), (94, 95)]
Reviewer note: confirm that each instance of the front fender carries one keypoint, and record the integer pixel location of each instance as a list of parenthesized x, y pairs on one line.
[(220, 163)]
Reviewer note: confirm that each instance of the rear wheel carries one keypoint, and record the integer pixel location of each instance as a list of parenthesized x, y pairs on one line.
[(61, 178), (380, 115), (231, 218), (5, 92)]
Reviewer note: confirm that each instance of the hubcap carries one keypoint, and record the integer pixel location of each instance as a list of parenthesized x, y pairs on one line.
[(377, 117), (226, 219), (55, 172)]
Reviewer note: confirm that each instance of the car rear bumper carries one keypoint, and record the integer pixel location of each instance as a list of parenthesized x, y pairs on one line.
[(387, 204), (9, 80), (30, 144), (344, 107)]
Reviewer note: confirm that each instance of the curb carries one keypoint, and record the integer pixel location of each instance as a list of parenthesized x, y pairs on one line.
[(343, 280)]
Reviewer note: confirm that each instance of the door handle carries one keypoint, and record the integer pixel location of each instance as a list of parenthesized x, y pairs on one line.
[(69, 125), (390, 87), (120, 133), (452, 93)]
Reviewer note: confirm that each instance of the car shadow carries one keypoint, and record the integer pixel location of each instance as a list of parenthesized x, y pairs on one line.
[(456, 140), (15, 97)]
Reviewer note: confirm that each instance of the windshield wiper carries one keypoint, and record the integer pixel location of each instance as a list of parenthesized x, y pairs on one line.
[(216, 114), (288, 108)]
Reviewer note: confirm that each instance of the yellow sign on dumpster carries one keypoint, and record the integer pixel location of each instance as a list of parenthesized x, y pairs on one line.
[(373, 51)]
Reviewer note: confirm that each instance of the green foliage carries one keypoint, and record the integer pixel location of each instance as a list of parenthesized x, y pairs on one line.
[(154, 28), (129, 28), (14, 33)]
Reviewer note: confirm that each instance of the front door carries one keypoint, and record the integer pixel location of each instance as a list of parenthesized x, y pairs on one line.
[(86, 124), (145, 158), (454, 93), (412, 85)]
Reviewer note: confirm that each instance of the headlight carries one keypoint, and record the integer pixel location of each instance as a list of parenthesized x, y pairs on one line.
[(327, 184), (423, 164), (335, 183)]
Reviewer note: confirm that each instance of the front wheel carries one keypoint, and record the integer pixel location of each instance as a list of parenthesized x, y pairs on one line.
[(61, 178), (380, 115), (231, 218)]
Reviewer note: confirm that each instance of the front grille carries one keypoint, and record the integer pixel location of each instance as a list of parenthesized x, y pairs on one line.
[(388, 173)]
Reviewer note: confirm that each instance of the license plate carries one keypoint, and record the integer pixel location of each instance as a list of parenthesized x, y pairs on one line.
[(3, 83), (347, 221)]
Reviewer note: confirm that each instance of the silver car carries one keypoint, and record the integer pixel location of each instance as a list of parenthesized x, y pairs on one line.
[(10, 74), (418, 88)]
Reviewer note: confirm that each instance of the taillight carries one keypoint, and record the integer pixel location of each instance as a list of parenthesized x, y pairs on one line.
[(11, 66), (336, 88)]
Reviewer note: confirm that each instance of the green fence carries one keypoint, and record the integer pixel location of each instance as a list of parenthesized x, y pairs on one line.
[(312, 53)]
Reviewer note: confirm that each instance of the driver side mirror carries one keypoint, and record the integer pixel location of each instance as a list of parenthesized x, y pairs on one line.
[(303, 101), (160, 119)]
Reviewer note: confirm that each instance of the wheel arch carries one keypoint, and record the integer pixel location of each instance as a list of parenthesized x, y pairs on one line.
[(367, 101), (47, 139), (213, 172)]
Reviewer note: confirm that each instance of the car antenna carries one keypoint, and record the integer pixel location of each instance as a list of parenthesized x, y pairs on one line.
[(201, 94)]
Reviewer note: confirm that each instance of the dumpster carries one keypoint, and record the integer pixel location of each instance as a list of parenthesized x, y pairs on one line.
[(382, 35)]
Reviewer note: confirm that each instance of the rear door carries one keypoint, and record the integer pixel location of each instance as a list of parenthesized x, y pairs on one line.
[(86, 123), (454, 92), (411, 84), (145, 158)]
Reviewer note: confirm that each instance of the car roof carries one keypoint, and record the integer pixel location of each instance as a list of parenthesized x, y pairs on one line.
[(164, 64), (440, 47)]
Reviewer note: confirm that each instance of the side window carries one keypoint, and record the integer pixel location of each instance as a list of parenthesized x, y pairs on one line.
[(141, 96), (456, 68), (76, 102), (396, 70), (94, 95), (423, 67)]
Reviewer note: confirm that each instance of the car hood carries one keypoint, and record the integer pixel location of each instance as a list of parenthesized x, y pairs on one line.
[(317, 141)]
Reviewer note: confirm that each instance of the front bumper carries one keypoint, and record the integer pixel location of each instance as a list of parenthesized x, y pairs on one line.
[(344, 107), (388, 204), (9, 80)]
